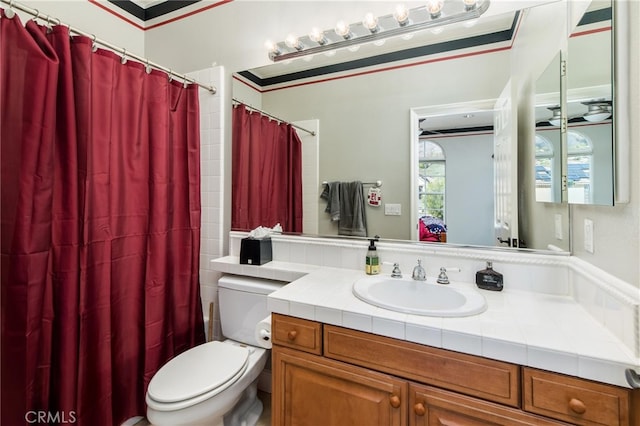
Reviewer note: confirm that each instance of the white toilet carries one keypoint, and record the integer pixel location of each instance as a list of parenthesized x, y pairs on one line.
[(216, 383)]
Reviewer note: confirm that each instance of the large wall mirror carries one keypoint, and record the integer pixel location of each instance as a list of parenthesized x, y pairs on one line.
[(363, 110)]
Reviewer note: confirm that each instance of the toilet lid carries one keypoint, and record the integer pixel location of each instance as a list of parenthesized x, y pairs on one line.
[(197, 371)]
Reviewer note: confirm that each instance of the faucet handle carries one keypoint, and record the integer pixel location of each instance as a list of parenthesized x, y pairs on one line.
[(396, 273), (443, 278)]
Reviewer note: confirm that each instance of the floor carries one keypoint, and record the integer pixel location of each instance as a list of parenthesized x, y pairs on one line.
[(264, 420)]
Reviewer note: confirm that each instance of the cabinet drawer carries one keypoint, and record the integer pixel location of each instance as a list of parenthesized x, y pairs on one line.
[(484, 378), (433, 406), (574, 400), (296, 333)]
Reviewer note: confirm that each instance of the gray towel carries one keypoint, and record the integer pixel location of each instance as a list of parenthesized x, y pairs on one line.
[(353, 220), (331, 193)]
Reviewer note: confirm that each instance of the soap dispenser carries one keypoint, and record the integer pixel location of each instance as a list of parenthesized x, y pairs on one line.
[(372, 264), (488, 279)]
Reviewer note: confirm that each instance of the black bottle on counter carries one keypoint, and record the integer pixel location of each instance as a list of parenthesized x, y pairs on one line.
[(488, 279)]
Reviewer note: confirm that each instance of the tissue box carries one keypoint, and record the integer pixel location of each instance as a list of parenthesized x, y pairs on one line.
[(255, 251)]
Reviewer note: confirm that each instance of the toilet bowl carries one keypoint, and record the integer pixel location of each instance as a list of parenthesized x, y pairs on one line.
[(182, 392), (216, 383)]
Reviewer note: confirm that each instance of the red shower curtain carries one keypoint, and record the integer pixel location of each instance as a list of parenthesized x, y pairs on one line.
[(266, 173), (100, 227)]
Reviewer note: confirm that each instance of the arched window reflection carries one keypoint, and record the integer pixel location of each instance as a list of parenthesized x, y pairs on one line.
[(431, 180), (544, 169), (579, 167)]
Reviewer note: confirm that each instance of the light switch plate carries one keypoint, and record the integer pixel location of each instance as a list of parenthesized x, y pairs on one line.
[(558, 226), (392, 209), (588, 235)]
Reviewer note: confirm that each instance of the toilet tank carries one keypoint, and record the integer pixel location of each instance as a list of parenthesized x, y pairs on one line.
[(242, 304)]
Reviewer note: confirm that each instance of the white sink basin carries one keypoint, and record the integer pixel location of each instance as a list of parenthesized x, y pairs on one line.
[(420, 297)]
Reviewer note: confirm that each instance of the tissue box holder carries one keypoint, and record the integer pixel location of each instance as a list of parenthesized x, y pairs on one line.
[(255, 251)]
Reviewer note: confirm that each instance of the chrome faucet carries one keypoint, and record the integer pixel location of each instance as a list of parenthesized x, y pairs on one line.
[(419, 273)]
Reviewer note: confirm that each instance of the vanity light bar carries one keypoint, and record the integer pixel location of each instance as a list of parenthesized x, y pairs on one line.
[(395, 24)]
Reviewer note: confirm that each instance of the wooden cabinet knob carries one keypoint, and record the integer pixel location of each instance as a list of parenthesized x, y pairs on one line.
[(291, 335), (577, 406), (419, 409), (394, 401)]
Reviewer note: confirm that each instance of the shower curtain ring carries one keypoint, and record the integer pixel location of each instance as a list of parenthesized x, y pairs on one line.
[(94, 45), (37, 14), (123, 60), (10, 13), (184, 81), (170, 75), (148, 67), (49, 29)]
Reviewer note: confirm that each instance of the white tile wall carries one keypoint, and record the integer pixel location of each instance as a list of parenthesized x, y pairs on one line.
[(212, 172), (310, 175)]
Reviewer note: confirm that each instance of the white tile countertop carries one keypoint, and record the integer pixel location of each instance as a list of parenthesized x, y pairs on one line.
[(544, 331)]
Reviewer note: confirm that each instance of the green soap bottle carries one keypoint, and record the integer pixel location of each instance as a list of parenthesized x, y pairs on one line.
[(372, 265)]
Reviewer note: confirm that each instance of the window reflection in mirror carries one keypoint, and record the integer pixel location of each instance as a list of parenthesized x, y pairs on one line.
[(546, 178), (431, 192), (548, 150)]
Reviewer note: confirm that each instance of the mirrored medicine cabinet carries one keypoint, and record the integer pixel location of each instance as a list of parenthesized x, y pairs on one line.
[(575, 139)]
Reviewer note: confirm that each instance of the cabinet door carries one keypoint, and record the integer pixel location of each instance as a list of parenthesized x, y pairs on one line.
[(310, 390), (429, 406)]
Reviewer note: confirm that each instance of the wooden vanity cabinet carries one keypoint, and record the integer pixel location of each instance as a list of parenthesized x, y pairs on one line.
[(327, 375)]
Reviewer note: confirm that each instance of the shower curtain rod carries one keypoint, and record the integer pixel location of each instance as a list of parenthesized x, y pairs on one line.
[(311, 132), (37, 15)]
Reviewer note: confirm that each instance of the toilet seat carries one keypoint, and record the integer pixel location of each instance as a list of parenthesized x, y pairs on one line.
[(196, 375)]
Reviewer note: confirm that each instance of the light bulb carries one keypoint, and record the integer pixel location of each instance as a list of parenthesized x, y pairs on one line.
[(401, 15), (469, 4), (293, 42), (434, 7), (317, 35), (272, 48), (370, 22), (342, 29)]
